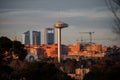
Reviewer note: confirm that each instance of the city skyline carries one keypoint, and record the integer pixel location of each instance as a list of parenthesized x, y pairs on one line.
[(31, 38), (17, 17)]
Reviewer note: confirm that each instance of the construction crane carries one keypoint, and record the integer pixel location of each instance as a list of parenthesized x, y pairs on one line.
[(90, 33)]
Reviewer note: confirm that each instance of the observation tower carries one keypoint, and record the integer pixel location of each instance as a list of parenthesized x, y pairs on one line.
[(59, 25)]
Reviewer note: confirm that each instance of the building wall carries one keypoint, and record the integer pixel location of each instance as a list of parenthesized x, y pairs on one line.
[(89, 52), (95, 47), (74, 49), (45, 50)]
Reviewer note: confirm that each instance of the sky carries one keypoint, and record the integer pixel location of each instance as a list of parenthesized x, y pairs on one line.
[(19, 16)]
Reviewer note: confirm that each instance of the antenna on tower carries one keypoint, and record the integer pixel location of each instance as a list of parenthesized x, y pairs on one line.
[(59, 15)]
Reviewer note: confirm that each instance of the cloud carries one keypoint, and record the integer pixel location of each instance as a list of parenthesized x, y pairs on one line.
[(50, 4), (81, 15), (35, 16)]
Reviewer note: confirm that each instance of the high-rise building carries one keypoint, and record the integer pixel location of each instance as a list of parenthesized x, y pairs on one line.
[(26, 38), (36, 37), (49, 36)]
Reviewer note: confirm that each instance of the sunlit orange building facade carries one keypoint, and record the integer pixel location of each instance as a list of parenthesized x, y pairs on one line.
[(44, 50), (95, 50)]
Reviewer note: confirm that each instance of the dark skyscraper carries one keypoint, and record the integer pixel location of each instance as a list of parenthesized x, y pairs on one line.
[(49, 36), (26, 38), (36, 38)]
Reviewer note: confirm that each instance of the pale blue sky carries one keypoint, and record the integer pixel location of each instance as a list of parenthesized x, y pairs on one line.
[(18, 16)]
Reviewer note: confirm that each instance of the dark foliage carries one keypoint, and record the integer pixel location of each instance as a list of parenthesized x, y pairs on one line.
[(114, 6), (8, 48), (106, 69), (5, 71), (40, 71), (19, 50), (5, 44)]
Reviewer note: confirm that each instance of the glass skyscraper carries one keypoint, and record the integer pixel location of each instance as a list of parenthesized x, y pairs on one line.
[(49, 36), (26, 38), (36, 37)]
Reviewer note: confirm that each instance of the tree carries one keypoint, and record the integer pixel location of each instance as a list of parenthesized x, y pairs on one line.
[(5, 71), (19, 50), (40, 71), (104, 69), (69, 65), (114, 6), (5, 46), (9, 48)]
